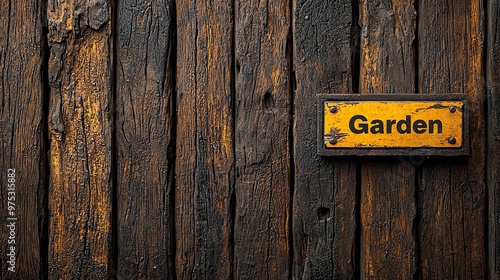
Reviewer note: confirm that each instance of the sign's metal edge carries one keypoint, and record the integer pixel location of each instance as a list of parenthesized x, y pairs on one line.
[(323, 151)]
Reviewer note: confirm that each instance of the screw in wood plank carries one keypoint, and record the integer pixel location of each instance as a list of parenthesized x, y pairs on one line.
[(334, 109), (453, 109), (452, 140)]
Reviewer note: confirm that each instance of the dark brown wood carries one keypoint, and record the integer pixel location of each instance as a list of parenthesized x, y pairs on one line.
[(324, 201), (216, 201), (204, 166), (80, 126), (21, 143), (452, 192), (493, 144), (144, 138), (388, 247), (262, 130)]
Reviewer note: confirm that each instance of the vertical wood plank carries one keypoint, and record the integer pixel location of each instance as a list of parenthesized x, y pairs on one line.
[(144, 139), (262, 127), (493, 151), (204, 166), (388, 247), (80, 123), (452, 191), (21, 143), (324, 202)]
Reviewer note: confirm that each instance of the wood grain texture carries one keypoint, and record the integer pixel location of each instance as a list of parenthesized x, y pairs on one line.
[(493, 144), (80, 124), (452, 191), (388, 247), (262, 130), (204, 166), (144, 139), (324, 201), (21, 129)]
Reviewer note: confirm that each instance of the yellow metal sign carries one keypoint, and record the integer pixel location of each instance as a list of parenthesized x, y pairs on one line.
[(385, 124)]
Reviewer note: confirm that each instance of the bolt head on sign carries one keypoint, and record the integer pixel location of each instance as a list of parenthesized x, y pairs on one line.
[(393, 124)]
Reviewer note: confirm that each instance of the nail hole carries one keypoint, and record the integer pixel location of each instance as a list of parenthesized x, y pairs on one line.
[(267, 100), (323, 213)]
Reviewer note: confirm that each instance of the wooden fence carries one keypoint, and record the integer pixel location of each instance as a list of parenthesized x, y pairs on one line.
[(171, 139)]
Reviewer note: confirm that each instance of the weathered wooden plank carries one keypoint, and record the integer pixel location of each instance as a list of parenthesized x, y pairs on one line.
[(204, 166), (262, 130), (80, 124), (452, 191), (324, 202), (493, 145), (144, 139), (21, 129), (388, 247)]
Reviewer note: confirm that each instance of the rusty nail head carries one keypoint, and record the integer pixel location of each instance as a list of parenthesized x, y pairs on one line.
[(453, 109), (452, 140), (333, 141), (333, 109)]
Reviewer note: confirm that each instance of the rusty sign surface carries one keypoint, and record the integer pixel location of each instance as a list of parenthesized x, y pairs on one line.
[(390, 124)]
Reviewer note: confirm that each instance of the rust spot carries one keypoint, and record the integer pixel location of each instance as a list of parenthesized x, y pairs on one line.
[(334, 135), (439, 106)]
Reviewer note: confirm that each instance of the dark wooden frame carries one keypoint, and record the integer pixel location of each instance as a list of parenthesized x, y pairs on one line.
[(323, 151)]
